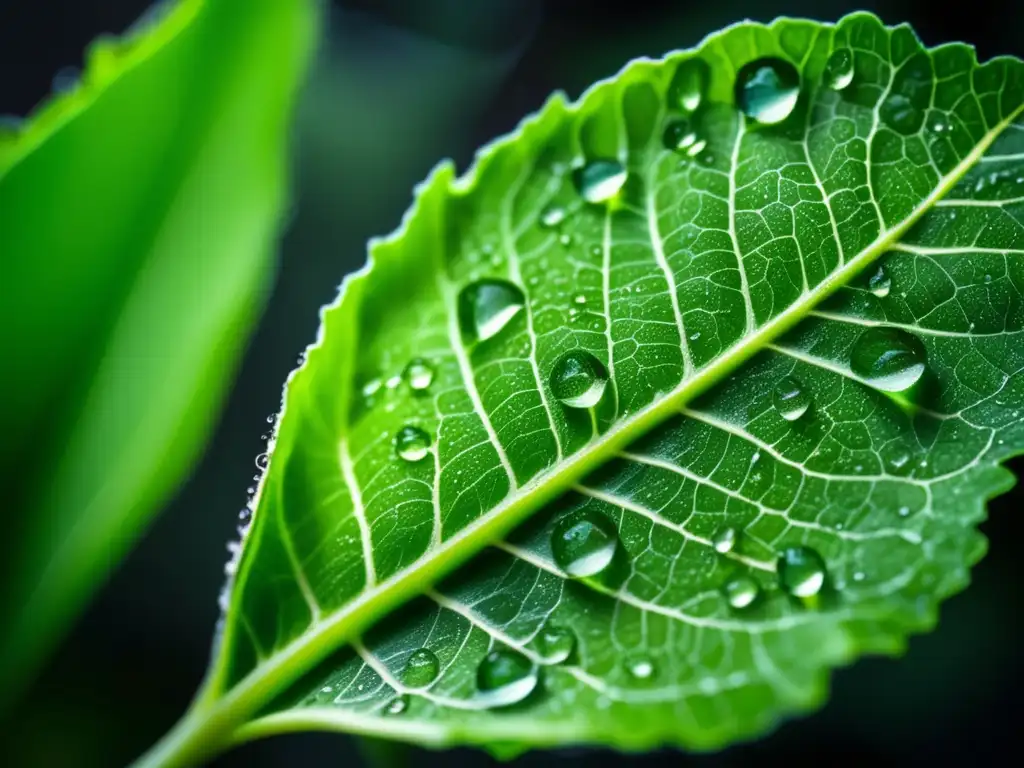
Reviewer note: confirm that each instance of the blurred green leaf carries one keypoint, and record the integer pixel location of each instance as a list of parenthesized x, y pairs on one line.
[(685, 394), (138, 221)]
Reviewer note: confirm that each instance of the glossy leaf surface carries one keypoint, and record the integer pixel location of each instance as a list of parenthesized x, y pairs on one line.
[(803, 284)]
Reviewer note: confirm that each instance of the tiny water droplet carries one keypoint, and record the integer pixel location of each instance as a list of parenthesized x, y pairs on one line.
[(565, 239), (65, 79), (640, 668), (725, 540), (262, 461), (888, 359), (859, 576), (487, 306), (552, 216), (418, 374), (584, 544), (421, 669), (370, 388), (580, 299), (398, 705), (679, 136), (556, 643), (412, 443), (689, 84), (505, 677), (741, 591), (271, 417), (880, 283), (767, 90), (903, 511), (801, 571), (600, 181), (393, 382), (839, 69), (578, 379), (790, 399)]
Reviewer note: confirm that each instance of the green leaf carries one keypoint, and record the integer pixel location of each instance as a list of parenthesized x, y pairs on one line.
[(138, 214), (811, 331)]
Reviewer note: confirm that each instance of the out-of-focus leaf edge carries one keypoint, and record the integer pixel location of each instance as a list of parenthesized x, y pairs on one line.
[(106, 62)]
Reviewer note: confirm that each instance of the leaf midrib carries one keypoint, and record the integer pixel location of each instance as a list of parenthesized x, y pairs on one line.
[(283, 667)]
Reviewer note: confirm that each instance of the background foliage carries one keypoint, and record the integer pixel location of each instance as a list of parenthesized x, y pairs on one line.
[(460, 77)]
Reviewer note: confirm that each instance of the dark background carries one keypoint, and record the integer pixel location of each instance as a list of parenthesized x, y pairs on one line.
[(398, 85)]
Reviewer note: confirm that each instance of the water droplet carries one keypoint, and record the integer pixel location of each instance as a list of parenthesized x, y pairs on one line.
[(370, 388), (767, 90), (487, 306), (741, 591), (839, 69), (880, 283), (600, 180), (412, 443), (859, 576), (66, 79), (900, 114), (725, 540), (11, 126), (556, 643), (790, 399), (584, 545), (418, 374), (689, 84), (578, 379), (580, 299), (398, 705), (640, 668), (801, 571), (565, 239), (888, 359), (903, 511), (679, 136), (552, 216), (505, 677), (421, 669)]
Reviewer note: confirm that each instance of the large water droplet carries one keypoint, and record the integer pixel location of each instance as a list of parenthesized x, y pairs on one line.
[(487, 306), (412, 443), (741, 591), (725, 540), (398, 705), (418, 374), (578, 379), (880, 283), (767, 90), (600, 181), (640, 668), (505, 677), (801, 571), (584, 544), (839, 69), (899, 113), (689, 84), (556, 643), (421, 669), (791, 399), (888, 359)]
